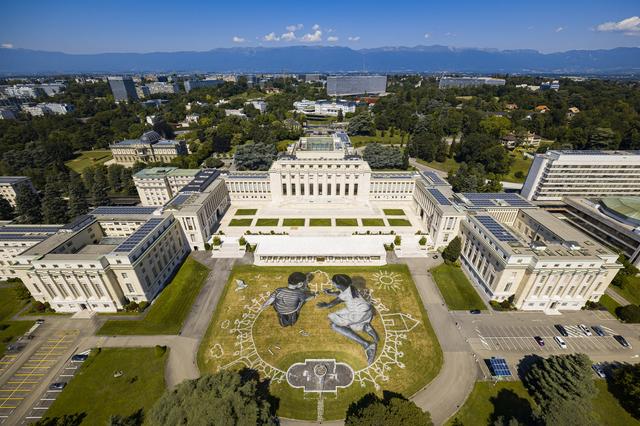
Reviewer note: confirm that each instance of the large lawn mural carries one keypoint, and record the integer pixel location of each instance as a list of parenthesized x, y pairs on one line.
[(324, 337)]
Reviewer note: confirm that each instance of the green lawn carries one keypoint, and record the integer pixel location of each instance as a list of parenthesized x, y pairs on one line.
[(631, 290), (398, 222), (87, 159), (246, 212), (9, 306), (396, 139), (449, 166), (10, 331), (240, 222), (9, 303), (487, 402), (293, 222), (372, 222), (267, 222), (393, 212), (346, 222), (520, 164), (168, 312), (456, 289), (320, 222), (609, 303), (96, 393)]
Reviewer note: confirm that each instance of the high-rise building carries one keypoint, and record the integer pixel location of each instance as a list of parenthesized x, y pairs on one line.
[(345, 85), (447, 82), (190, 85), (567, 173), (123, 88)]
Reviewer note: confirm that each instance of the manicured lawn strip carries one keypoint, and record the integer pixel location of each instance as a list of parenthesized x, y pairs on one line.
[(631, 290), (320, 222), (393, 212), (9, 303), (87, 159), (240, 222), (449, 166), (96, 393), (607, 410), (14, 330), (293, 222), (169, 310), (519, 164), (456, 289), (373, 222), (346, 222), (398, 222), (396, 139), (246, 212), (609, 303), (267, 222)]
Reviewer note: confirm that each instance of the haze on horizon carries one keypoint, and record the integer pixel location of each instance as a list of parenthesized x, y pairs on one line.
[(76, 26)]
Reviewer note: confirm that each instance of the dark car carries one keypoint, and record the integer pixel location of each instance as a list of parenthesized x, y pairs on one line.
[(474, 311), (598, 330), (57, 386), (623, 342), (79, 357), (561, 330), (40, 321), (539, 340)]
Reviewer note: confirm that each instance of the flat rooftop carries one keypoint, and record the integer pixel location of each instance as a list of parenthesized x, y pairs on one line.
[(154, 172)]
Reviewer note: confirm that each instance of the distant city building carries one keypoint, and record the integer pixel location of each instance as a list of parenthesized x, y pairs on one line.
[(324, 108), (160, 87), (345, 85), (142, 92), (123, 89), (7, 114), (457, 82), (23, 91), (52, 89), (311, 77), (48, 108), (292, 124), (558, 174), (550, 85), (234, 112), (9, 186), (190, 85), (258, 104), (150, 148), (572, 112)]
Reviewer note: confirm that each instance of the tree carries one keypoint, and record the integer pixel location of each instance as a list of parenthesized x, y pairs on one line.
[(256, 156), (6, 211), (54, 208), (135, 419), (383, 157), (393, 410), (629, 313), (77, 200), (227, 397), (451, 253), (361, 124), (65, 420), (28, 208), (340, 117), (99, 195), (625, 382), (471, 177), (496, 125), (213, 162)]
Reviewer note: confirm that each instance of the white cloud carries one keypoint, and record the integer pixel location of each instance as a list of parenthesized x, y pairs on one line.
[(271, 37), (449, 34), (312, 37), (559, 29), (315, 27), (353, 38), (237, 39), (290, 36), (427, 35), (294, 27), (629, 26), (7, 45), (332, 39)]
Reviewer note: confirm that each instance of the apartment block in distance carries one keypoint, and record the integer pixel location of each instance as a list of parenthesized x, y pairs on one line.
[(150, 148), (9, 184), (558, 174), (123, 89), (457, 82), (190, 85), (346, 85)]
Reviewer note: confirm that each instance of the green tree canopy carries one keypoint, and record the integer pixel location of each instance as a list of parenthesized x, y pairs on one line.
[(383, 157), (28, 208), (451, 253), (361, 124), (256, 156), (626, 387), (54, 208), (6, 211), (393, 410)]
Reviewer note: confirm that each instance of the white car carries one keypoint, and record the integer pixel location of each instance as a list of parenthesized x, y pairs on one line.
[(560, 341), (585, 330)]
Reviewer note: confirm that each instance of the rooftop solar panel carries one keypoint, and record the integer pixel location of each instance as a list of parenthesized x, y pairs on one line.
[(434, 178), (125, 210), (499, 231), (439, 196), (31, 229), (139, 235), (18, 237), (499, 367)]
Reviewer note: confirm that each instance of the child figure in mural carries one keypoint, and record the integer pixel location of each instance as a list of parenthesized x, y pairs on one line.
[(354, 317), (288, 301)]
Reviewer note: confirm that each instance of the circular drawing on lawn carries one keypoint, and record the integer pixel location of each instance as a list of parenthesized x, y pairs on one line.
[(387, 280)]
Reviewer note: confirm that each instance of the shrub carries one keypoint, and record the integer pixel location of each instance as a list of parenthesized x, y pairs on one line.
[(423, 241), (452, 252), (388, 247), (397, 240), (629, 313), (142, 306), (21, 292), (160, 350), (519, 174), (242, 241), (131, 306), (217, 241), (207, 246)]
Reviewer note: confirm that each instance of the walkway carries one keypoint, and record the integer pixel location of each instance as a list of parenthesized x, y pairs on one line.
[(616, 296), (512, 186)]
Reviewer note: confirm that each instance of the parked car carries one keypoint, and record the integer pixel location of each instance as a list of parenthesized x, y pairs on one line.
[(539, 340), (561, 330), (57, 386), (79, 357), (585, 330), (623, 342), (40, 321), (560, 341), (599, 330), (474, 311), (599, 371)]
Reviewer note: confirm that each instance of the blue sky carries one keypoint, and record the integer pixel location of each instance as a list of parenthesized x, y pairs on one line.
[(89, 26)]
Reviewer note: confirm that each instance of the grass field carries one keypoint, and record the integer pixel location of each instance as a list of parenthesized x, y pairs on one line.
[(631, 290), (88, 158), (487, 402), (246, 212), (240, 222), (398, 222), (312, 337), (393, 212), (609, 303), (267, 222), (168, 312), (520, 164), (449, 166), (96, 393), (293, 222), (9, 303), (10, 331), (346, 222), (456, 289), (372, 222), (9, 306), (396, 139), (320, 222)]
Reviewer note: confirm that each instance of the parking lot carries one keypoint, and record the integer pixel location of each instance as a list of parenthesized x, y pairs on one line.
[(32, 372), (520, 339), (6, 361)]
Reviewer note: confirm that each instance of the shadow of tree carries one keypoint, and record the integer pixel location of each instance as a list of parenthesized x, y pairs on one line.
[(262, 388), (508, 406), (65, 420)]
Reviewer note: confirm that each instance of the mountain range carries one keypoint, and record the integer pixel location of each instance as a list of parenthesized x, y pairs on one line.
[(427, 59)]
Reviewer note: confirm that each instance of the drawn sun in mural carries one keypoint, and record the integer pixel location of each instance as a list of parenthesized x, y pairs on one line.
[(387, 280)]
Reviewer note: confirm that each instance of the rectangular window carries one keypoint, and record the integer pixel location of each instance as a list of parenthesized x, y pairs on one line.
[(319, 189), (328, 189), (508, 286), (130, 288), (302, 189), (346, 189), (355, 189), (337, 189), (310, 189), (293, 189), (284, 189)]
